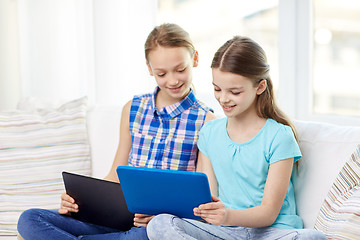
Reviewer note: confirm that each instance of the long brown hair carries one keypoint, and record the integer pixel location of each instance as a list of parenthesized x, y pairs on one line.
[(243, 56), (168, 35)]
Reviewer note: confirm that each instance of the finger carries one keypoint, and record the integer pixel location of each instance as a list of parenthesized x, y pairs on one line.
[(63, 211), (68, 211), (144, 219), (210, 214), (210, 206), (212, 217), (136, 224), (196, 211), (199, 212), (70, 206), (65, 197), (142, 215), (142, 222)]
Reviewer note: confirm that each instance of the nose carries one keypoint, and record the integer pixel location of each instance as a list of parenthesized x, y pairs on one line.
[(223, 98), (172, 80)]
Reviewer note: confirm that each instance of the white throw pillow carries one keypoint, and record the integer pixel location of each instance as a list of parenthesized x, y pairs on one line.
[(35, 147)]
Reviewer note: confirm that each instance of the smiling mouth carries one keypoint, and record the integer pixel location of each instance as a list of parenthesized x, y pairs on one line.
[(227, 108), (176, 88)]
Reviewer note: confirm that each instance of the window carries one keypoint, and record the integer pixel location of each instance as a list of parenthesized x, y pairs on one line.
[(314, 44), (336, 56), (211, 23)]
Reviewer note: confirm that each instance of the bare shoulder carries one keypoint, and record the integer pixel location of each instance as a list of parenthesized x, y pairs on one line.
[(125, 115), (210, 116), (127, 107)]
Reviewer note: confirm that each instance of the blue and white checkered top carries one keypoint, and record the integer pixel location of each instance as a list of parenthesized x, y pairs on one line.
[(165, 139)]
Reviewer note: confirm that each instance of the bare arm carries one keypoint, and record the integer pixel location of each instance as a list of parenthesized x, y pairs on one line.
[(123, 150), (260, 216), (204, 165)]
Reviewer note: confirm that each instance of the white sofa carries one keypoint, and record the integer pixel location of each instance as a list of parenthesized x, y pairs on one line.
[(325, 149)]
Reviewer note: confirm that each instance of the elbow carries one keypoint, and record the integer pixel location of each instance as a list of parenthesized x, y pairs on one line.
[(271, 217), (271, 220), (270, 211), (265, 221)]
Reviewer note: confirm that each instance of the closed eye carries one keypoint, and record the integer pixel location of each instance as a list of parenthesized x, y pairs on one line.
[(182, 70)]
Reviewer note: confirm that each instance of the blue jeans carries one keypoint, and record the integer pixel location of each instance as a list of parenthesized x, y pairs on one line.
[(41, 224), (166, 226)]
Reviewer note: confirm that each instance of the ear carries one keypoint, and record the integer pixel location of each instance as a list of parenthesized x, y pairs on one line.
[(196, 59), (149, 68), (261, 87)]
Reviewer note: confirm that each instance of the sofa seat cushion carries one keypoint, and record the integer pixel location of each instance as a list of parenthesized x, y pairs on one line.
[(35, 147)]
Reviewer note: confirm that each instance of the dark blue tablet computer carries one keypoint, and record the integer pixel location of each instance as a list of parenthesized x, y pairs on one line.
[(154, 191)]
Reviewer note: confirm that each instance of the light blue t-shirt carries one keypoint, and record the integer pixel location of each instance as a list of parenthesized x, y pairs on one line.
[(241, 169)]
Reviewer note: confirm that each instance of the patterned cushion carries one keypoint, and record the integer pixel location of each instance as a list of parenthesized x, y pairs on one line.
[(339, 216), (35, 147)]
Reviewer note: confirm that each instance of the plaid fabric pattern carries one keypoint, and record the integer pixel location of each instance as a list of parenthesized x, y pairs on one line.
[(165, 139)]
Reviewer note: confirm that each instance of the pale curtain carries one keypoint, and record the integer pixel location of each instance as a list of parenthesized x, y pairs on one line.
[(71, 48)]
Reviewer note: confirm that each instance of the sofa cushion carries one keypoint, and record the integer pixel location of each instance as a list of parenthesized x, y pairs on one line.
[(339, 215), (35, 147), (325, 148)]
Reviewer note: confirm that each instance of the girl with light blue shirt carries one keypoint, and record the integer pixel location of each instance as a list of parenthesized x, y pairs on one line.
[(249, 157)]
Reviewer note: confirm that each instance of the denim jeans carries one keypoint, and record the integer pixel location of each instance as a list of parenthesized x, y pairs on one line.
[(41, 224), (166, 226)]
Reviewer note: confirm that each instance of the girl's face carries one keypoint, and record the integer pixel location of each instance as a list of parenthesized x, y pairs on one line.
[(172, 69), (236, 94)]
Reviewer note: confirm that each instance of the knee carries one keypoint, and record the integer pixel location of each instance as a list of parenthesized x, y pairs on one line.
[(309, 234), (318, 235), (28, 215), (27, 218), (159, 225)]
